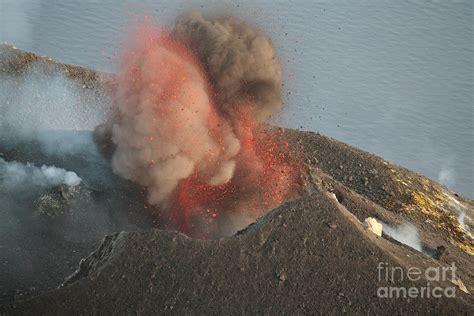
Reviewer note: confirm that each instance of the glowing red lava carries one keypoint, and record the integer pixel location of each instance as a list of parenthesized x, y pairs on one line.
[(264, 178)]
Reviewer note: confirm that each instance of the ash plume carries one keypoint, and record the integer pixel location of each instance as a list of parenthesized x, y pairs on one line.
[(164, 133), (190, 105), (240, 62)]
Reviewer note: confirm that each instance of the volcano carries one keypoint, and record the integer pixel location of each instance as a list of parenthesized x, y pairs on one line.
[(309, 254)]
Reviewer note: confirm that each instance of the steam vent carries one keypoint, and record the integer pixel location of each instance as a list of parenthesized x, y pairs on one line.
[(329, 229)]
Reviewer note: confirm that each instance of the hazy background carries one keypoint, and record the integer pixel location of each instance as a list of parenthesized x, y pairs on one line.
[(391, 77)]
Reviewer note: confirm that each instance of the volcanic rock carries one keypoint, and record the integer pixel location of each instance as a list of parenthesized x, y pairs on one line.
[(56, 201), (373, 226)]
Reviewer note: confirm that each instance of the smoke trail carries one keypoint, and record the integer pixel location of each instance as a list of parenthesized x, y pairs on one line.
[(190, 104), (15, 175)]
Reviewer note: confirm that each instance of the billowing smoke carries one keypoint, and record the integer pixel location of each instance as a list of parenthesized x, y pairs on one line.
[(240, 62), (15, 175), (164, 134), (190, 108)]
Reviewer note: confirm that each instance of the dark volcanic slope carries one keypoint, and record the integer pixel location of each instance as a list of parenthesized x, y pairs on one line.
[(311, 255), (396, 189), (307, 256)]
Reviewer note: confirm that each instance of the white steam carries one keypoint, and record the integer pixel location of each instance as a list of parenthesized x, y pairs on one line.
[(406, 234), (462, 218), (447, 177), (38, 101), (460, 212), (14, 175)]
